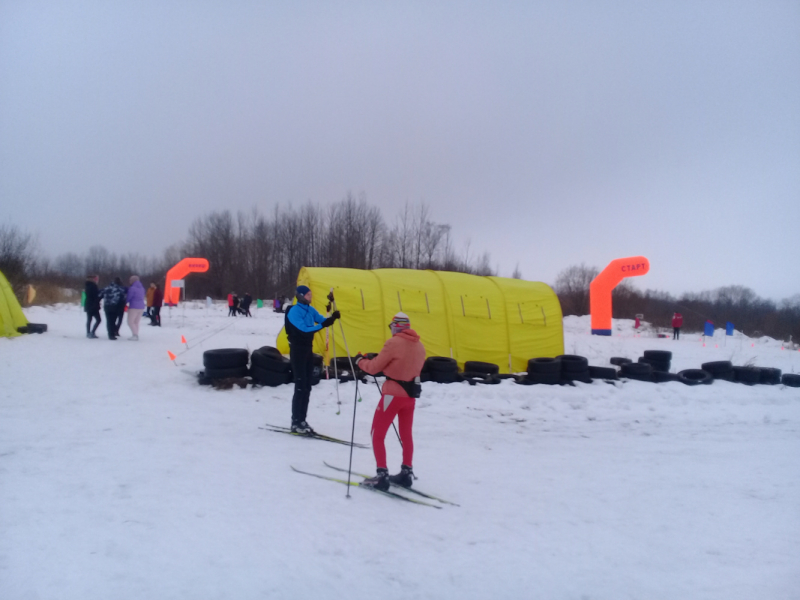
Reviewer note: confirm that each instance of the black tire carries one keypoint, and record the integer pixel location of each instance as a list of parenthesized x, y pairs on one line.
[(37, 327), (269, 378), (663, 377), (657, 365), (791, 380), (570, 363), (268, 362), (225, 358), (342, 365), (725, 375), (226, 372), (770, 376), (523, 380), (202, 379), (695, 377), (544, 365), (582, 376), (619, 360), (443, 377), (659, 355), (546, 378), (747, 375), (441, 364), (474, 366), (23, 329), (717, 366), (635, 370), (603, 373), (269, 350), (487, 378)]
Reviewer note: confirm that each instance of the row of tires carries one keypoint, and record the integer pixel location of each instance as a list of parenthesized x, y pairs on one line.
[(267, 366)]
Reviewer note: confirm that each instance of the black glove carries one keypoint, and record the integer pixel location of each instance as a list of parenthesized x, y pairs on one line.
[(357, 358), (330, 297), (336, 315), (328, 322)]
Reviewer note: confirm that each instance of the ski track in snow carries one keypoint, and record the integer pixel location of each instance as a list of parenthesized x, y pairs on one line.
[(121, 478)]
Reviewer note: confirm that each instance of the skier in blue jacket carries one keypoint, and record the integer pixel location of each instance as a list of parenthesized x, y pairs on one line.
[(302, 322)]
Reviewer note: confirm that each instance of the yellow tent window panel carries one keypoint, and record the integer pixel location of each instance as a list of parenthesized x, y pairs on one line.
[(475, 306), (531, 313), (356, 297), (415, 301)]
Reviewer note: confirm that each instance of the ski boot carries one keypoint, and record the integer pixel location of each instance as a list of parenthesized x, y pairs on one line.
[(301, 427), (379, 482), (405, 478)]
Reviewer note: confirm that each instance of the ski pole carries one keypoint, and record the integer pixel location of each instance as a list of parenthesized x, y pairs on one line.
[(335, 371)]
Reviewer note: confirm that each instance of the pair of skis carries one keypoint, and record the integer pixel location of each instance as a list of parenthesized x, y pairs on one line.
[(389, 493), (314, 435)]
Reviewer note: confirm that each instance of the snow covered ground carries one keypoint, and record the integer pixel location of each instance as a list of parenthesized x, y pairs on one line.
[(121, 478)]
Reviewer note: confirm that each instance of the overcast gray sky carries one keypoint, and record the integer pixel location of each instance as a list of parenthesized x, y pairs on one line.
[(547, 133)]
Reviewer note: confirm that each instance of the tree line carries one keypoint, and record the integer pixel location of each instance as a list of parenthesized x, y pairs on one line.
[(751, 314), (262, 253)]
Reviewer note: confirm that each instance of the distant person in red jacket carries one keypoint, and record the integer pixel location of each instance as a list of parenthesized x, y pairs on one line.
[(232, 302), (401, 360), (158, 301), (677, 323)]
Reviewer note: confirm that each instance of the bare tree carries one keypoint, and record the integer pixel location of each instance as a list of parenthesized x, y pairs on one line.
[(572, 288)]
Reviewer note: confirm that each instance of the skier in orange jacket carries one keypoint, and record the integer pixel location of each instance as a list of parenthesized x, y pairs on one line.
[(401, 361)]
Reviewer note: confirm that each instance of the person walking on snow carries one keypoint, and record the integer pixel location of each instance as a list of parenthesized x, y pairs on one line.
[(157, 302), (231, 309), (92, 305), (135, 300), (112, 295), (401, 360), (245, 306), (149, 304), (677, 323), (302, 321)]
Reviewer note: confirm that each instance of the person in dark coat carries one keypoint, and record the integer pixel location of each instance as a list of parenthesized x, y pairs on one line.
[(302, 322), (120, 313), (246, 302), (92, 305), (158, 301), (113, 295)]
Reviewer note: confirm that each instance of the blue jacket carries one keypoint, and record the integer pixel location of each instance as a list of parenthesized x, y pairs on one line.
[(302, 321)]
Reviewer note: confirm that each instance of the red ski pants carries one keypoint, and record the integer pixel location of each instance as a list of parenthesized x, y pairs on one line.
[(389, 407)]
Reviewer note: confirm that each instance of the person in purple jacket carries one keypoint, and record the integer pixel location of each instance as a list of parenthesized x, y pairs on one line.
[(135, 306)]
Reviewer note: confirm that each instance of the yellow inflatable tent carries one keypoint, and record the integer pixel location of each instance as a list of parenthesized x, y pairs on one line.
[(491, 319), (11, 315)]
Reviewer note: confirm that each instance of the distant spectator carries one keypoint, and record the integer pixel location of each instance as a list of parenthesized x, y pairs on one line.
[(92, 305), (246, 302), (118, 316), (113, 294), (232, 304), (149, 298), (677, 323), (158, 301), (135, 298), (276, 304)]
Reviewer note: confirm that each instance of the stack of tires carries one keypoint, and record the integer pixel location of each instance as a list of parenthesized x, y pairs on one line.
[(720, 369), (341, 368), (440, 369), (481, 372), (225, 363), (270, 367), (574, 368), (660, 360), (543, 370)]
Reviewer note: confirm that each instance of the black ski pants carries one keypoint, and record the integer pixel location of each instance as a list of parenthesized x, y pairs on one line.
[(111, 317), (155, 316), (676, 333), (92, 314), (302, 360), (118, 316)]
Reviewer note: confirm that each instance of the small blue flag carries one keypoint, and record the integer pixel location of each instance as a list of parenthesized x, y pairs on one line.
[(709, 329), (729, 328)]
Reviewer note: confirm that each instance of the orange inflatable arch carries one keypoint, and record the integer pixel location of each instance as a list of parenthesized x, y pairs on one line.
[(188, 265), (600, 289)]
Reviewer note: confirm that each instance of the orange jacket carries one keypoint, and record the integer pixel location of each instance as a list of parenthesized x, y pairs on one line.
[(401, 357), (149, 296)]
